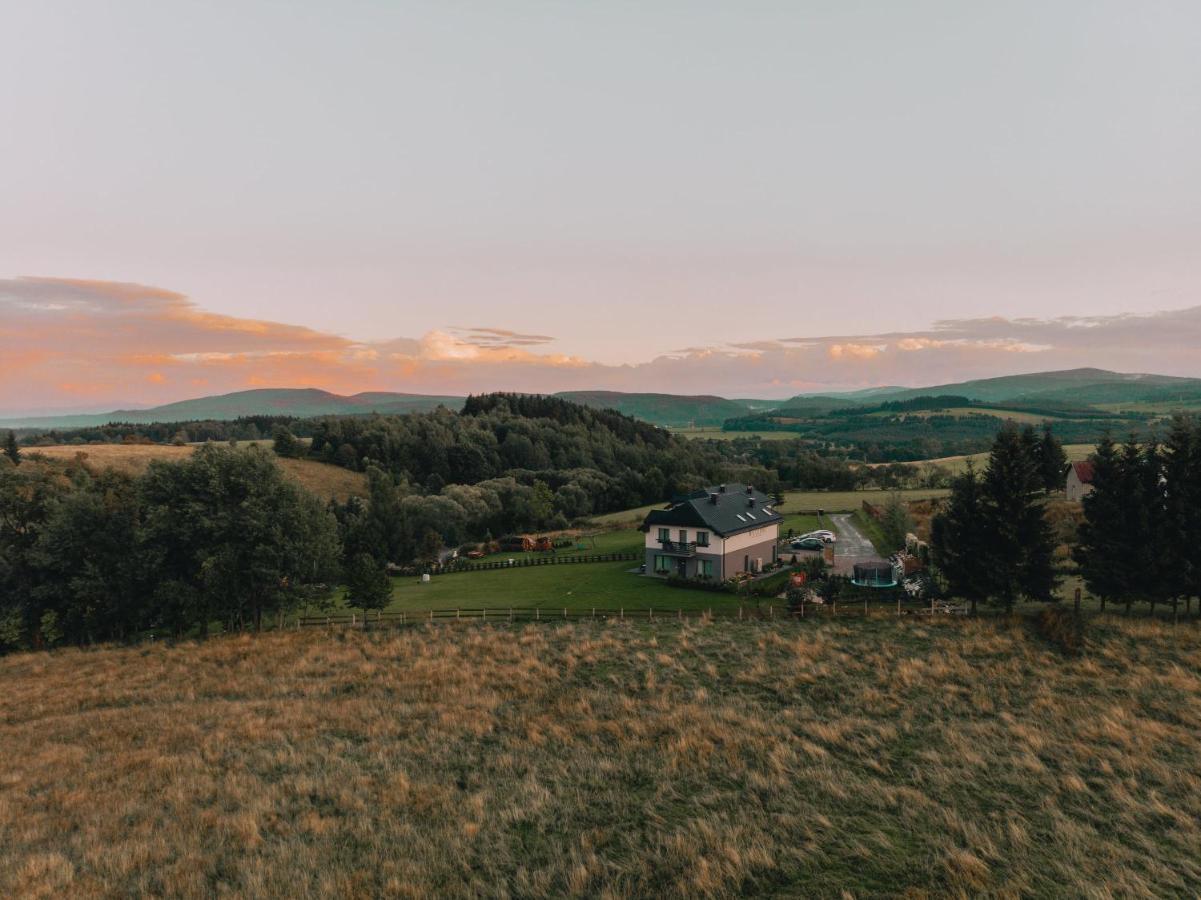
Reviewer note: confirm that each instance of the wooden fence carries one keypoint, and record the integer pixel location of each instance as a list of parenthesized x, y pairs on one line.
[(502, 615), (549, 559)]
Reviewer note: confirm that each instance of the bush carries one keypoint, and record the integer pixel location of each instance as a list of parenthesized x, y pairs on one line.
[(1063, 627), (700, 584)]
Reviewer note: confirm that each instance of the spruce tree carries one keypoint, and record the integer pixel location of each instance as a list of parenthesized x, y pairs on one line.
[(1144, 528), (1182, 508), (957, 539), (11, 450), (1052, 461), (1102, 541), (1020, 545)]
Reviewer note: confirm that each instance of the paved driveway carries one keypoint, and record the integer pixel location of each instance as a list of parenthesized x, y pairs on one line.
[(852, 545)]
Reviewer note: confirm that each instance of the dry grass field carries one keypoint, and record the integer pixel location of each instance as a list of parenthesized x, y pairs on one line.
[(875, 757), (322, 479)]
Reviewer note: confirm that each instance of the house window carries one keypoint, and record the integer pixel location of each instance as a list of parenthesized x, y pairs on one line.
[(664, 535), (662, 565), (705, 568), (702, 539), (683, 535)]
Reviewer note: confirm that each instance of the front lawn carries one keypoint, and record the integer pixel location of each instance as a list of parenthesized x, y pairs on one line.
[(576, 586)]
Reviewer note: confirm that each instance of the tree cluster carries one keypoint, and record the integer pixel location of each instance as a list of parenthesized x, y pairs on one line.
[(1139, 539), (992, 542), (219, 538)]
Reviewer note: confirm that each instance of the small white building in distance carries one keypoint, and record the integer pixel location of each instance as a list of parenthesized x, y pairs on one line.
[(1079, 482)]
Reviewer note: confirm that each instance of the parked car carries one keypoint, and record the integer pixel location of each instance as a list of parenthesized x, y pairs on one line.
[(807, 543), (826, 536)]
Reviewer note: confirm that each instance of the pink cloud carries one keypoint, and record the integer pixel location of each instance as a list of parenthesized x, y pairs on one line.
[(102, 345)]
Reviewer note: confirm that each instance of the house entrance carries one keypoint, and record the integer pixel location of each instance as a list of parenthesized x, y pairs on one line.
[(682, 567)]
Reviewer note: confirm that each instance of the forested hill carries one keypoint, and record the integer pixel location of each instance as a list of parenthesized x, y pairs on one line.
[(543, 460), (668, 410)]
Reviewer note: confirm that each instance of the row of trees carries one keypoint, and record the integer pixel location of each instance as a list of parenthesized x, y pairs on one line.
[(1142, 520), (219, 538), (992, 542), (243, 428)]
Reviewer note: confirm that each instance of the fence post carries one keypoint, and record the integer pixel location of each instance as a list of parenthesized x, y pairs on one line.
[(623, 613), (510, 615), (456, 612), (352, 620), (680, 614), (537, 614), (485, 611), (431, 615), (651, 614), (739, 612), (771, 612)]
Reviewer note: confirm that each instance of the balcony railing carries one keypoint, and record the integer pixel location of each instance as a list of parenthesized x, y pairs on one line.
[(679, 548)]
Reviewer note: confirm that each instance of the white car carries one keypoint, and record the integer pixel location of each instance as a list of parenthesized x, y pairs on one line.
[(827, 537)]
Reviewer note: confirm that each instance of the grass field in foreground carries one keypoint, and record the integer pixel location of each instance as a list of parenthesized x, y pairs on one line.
[(869, 758)]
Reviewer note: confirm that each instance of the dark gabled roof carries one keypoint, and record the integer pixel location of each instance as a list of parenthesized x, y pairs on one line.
[(730, 514), (1084, 471)]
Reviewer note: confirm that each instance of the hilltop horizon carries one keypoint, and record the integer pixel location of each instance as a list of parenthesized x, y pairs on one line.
[(659, 407)]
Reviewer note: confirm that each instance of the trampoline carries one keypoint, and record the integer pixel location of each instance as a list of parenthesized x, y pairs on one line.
[(874, 574)]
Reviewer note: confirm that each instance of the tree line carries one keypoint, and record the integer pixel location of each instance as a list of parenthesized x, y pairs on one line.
[(1141, 532), (992, 542), (221, 538)]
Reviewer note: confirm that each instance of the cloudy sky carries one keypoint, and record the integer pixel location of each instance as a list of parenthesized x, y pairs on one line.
[(749, 199)]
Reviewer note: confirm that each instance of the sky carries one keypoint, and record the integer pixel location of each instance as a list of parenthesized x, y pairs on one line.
[(753, 200)]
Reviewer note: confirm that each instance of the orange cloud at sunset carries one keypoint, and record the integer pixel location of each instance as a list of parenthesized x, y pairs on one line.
[(99, 345)]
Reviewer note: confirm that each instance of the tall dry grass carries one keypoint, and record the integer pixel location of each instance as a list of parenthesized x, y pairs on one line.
[(860, 759), (323, 479)]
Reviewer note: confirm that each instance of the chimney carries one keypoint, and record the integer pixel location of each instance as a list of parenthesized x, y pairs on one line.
[(713, 498)]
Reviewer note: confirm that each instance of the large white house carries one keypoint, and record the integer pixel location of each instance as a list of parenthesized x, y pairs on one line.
[(715, 533)]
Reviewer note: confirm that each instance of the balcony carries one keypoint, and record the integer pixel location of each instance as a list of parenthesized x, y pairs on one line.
[(678, 548)]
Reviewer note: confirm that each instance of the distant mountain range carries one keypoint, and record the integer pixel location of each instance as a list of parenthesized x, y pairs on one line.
[(299, 402), (1080, 387)]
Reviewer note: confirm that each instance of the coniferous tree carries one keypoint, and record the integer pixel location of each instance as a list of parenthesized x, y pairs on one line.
[(11, 450), (1052, 461), (1102, 540), (1146, 557), (958, 539), (1020, 545), (1182, 508)]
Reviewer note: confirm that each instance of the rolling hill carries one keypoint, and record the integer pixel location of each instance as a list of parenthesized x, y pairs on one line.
[(298, 402), (1079, 386), (668, 410)]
